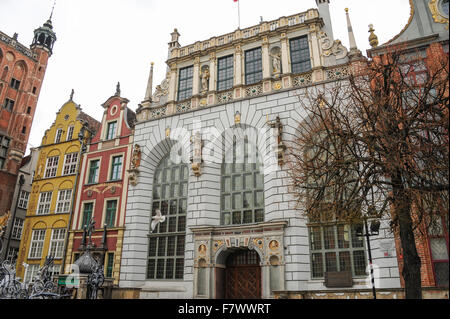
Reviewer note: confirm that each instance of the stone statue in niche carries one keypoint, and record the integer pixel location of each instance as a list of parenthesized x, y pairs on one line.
[(275, 53), (205, 78), (136, 158)]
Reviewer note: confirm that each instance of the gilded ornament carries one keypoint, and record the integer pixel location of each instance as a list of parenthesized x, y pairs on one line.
[(273, 245), (373, 39), (277, 86), (237, 118), (438, 16)]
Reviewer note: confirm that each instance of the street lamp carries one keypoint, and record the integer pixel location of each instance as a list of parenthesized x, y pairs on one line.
[(363, 230)]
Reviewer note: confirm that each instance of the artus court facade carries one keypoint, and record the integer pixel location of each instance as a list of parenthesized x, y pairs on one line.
[(210, 214)]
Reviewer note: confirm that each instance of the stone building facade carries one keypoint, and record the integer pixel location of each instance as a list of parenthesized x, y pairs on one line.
[(211, 214), (22, 72)]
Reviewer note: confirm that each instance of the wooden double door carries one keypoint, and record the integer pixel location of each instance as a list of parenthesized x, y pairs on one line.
[(243, 275)]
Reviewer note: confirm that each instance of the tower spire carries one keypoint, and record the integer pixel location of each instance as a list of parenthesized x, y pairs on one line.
[(148, 92), (351, 37)]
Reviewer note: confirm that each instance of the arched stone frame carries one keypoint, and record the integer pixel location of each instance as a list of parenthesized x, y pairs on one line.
[(138, 217), (220, 259)]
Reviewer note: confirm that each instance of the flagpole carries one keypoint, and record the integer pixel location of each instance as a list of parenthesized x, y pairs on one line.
[(239, 14)]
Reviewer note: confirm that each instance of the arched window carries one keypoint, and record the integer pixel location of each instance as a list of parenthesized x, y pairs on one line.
[(242, 184), (167, 238)]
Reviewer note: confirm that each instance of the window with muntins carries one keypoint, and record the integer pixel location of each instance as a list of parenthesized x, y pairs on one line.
[(37, 244), (58, 135), (242, 185), (70, 133), (64, 200), (185, 83), (12, 254), (253, 66), (70, 163), (438, 242), (87, 214), (57, 242), (93, 171), (15, 84), (16, 232), (111, 130), (23, 199), (30, 272), (110, 218), (52, 166), (225, 73), (167, 241), (4, 146), (45, 199), (300, 58), (109, 265), (336, 248), (116, 168)]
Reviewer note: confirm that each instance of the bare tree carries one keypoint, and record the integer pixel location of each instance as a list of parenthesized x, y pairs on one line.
[(377, 143)]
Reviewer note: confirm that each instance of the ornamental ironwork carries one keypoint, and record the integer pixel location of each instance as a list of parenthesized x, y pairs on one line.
[(41, 287)]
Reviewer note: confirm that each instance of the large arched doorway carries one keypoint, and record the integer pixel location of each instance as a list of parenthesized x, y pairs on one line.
[(243, 275)]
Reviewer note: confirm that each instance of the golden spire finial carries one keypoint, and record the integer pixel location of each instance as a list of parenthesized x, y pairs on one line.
[(373, 39), (346, 9)]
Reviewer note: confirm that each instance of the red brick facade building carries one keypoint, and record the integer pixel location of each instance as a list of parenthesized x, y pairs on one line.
[(103, 187), (22, 72)]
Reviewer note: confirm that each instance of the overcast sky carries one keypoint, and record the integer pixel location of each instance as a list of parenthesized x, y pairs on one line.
[(102, 42)]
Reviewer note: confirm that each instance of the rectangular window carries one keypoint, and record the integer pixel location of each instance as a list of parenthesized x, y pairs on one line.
[(52, 166), (70, 163), (111, 132), (438, 242), (64, 200), (87, 214), (225, 73), (253, 66), (15, 84), (17, 229), (109, 265), (23, 199), (57, 242), (58, 135), (13, 252), (37, 244), (30, 272), (93, 172), (185, 83), (69, 133), (116, 168), (300, 59), (4, 145), (55, 270), (336, 248), (9, 104), (110, 218), (45, 199)]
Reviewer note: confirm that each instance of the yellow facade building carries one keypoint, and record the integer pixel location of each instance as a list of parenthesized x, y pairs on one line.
[(53, 190)]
